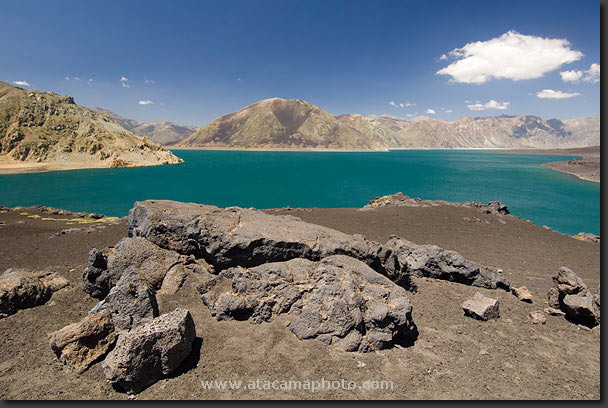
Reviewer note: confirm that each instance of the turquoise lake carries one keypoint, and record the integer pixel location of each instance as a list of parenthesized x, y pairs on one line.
[(315, 179)]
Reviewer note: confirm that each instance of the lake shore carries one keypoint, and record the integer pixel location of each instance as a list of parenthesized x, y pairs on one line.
[(455, 357), (586, 167)]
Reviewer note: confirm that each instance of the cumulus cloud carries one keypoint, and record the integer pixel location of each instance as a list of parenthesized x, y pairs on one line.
[(430, 111), (551, 94), (512, 56), (21, 83), (590, 75), (125, 82), (146, 103), (443, 57), (490, 105), (392, 103)]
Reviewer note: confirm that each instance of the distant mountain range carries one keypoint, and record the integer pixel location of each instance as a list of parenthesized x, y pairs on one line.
[(280, 123), (44, 128), (159, 131)]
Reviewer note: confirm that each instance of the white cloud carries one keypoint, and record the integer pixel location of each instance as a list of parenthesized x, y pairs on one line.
[(401, 105), (21, 83), (149, 81), (146, 103), (490, 105), (67, 78), (90, 79), (512, 56), (76, 79), (443, 57), (124, 85), (551, 94), (124, 79), (392, 103), (591, 75), (449, 111), (430, 111)]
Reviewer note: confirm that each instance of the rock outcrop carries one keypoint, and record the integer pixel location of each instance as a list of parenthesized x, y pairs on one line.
[(22, 289), (79, 345), (150, 352), (339, 301), (245, 237), (571, 295)]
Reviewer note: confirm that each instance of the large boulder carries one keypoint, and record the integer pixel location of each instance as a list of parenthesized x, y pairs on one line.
[(244, 237), (148, 260), (131, 301), (81, 344), (435, 262), (340, 301), (150, 352), (24, 288), (571, 295)]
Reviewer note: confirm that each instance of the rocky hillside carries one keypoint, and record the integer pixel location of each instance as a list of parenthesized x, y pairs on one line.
[(159, 131), (486, 132), (43, 128), (279, 123), (283, 124)]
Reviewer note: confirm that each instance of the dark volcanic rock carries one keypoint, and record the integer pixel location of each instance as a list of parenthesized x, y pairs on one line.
[(23, 288), (149, 352), (498, 207), (435, 262), (148, 260), (570, 294), (244, 237), (131, 302), (81, 344), (340, 301)]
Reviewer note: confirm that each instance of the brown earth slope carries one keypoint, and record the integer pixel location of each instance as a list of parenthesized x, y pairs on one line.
[(454, 357)]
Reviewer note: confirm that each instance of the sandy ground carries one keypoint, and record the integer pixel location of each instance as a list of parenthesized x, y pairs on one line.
[(455, 357), (586, 167)]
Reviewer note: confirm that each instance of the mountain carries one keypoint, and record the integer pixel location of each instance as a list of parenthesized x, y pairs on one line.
[(486, 132), (46, 129), (159, 131), (280, 123)]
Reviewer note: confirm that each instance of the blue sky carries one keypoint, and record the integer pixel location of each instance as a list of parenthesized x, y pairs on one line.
[(192, 61)]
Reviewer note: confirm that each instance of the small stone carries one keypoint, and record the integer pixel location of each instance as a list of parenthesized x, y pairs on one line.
[(522, 293), (360, 364), (554, 312), (483, 352), (537, 317), (481, 307)]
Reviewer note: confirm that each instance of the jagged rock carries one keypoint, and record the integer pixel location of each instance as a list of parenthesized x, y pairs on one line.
[(131, 302), (81, 344), (574, 299), (245, 237), (23, 288), (340, 301), (537, 317), (554, 312), (586, 236), (481, 307), (149, 352), (397, 200), (522, 293), (498, 207), (580, 309), (96, 277), (148, 260), (435, 262)]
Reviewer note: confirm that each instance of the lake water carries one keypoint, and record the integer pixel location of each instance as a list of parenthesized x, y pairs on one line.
[(315, 179)]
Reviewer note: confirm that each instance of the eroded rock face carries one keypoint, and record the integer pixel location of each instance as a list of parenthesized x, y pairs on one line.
[(571, 295), (435, 262), (151, 351), (131, 301), (23, 288), (106, 267), (243, 237), (481, 307), (81, 344), (340, 301), (401, 200)]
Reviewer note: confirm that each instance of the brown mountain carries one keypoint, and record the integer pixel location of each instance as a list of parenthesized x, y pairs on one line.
[(160, 131), (43, 130), (280, 123)]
